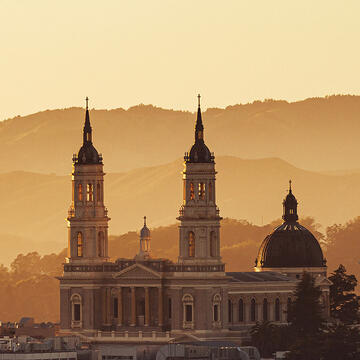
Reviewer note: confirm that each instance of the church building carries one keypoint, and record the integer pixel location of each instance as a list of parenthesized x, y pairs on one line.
[(194, 296)]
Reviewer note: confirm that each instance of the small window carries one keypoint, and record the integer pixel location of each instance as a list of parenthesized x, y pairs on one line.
[(216, 312), (89, 192), (80, 245), (80, 192), (188, 313), (192, 192), (88, 136), (277, 310), (288, 308), (77, 312), (230, 311), (253, 310), (201, 191), (191, 244)]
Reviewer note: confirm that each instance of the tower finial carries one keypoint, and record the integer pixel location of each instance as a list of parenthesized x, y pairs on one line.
[(290, 182), (144, 220), (87, 103), (199, 96)]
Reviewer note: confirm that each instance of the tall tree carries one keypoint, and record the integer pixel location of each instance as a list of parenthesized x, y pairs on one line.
[(344, 303), (306, 321)]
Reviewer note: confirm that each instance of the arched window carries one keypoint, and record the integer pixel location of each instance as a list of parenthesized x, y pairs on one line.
[(191, 244), (216, 308), (80, 192), (288, 308), (76, 311), (212, 243), (253, 310), (98, 192), (210, 191), (101, 244), (188, 311), (89, 192), (265, 310), (79, 245), (230, 311), (241, 310), (192, 191), (201, 191), (277, 310)]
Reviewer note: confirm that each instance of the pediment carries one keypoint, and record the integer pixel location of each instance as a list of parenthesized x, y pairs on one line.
[(137, 271)]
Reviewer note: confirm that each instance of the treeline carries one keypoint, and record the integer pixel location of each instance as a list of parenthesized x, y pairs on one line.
[(29, 286)]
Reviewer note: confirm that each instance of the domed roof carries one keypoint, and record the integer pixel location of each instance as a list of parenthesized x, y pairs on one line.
[(87, 153), (290, 244), (199, 152), (145, 232)]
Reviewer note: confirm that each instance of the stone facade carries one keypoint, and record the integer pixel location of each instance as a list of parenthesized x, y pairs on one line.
[(193, 296)]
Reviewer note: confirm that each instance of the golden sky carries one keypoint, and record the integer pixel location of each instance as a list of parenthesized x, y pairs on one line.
[(121, 53)]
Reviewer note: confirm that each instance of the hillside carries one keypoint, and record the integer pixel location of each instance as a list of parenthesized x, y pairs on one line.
[(314, 134), (34, 206)]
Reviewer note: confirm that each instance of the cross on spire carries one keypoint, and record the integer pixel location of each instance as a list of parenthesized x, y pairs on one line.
[(87, 102), (199, 99)]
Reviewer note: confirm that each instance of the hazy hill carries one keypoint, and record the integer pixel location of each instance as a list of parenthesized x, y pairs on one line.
[(34, 206), (314, 134)]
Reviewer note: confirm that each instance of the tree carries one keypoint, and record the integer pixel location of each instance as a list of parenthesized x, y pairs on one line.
[(306, 321), (341, 342), (262, 337), (344, 304), (305, 312)]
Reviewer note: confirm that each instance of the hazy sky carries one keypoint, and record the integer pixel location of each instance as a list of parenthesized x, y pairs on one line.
[(121, 53)]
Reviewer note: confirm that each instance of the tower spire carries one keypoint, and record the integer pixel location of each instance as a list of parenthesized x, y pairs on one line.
[(87, 126), (290, 185), (199, 127)]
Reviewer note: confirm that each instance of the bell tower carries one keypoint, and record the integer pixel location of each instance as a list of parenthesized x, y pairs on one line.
[(200, 221), (87, 217)]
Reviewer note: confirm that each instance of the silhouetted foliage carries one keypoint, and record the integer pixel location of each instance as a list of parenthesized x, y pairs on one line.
[(306, 320), (341, 342), (344, 303)]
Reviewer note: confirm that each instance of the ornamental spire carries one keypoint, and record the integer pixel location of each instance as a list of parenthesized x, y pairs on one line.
[(87, 126), (199, 127)]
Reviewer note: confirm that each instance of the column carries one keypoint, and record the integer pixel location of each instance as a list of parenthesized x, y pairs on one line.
[(133, 307), (120, 307), (258, 313), (161, 311), (103, 305), (108, 306), (147, 307)]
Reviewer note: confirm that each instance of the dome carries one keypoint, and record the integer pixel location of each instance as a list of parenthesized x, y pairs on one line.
[(88, 155), (290, 245), (200, 153)]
